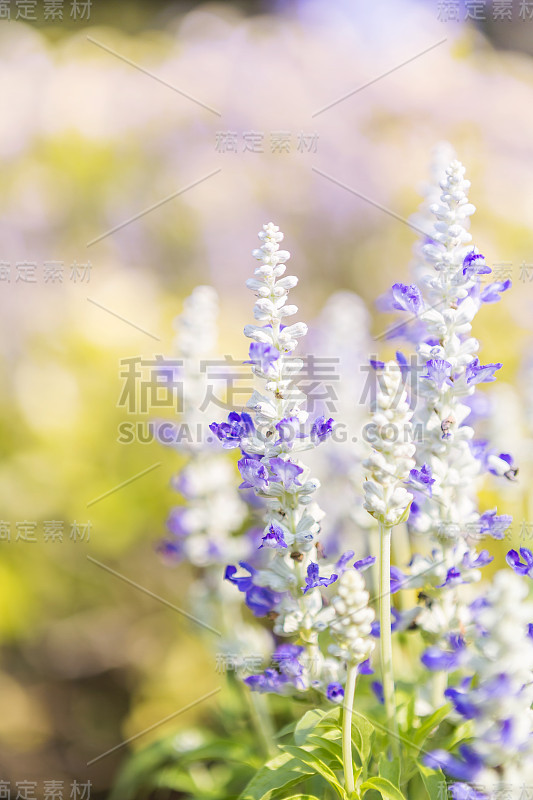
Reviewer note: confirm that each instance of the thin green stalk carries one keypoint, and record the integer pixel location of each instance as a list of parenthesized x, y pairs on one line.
[(385, 639), (347, 759), (439, 685), (261, 720), (401, 552), (256, 703), (439, 681)]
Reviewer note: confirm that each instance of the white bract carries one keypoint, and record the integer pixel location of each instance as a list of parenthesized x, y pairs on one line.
[(388, 466), (352, 624), (292, 572), (203, 530), (448, 306)]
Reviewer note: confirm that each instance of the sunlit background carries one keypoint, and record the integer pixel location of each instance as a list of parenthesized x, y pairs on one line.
[(143, 145)]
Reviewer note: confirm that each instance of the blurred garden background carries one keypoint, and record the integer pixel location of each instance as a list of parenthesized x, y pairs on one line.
[(142, 146)]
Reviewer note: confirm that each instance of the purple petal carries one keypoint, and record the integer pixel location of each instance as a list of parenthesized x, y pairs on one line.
[(364, 563), (407, 298)]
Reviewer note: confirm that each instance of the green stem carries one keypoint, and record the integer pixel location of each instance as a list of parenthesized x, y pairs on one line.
[(401, 552), (257, 704), (262, 721), (439, 684), (347, 759), (385, 639)]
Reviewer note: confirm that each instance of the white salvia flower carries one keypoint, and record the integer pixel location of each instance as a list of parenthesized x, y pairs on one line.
[(444, 357), (389, 464), (196, 327), (423, 219), (441, 157), (340, 341), (441, 610), (352, 624), (271, 307), (446, 372), (387, 499), (286, 585), (203, 530), (444, 375), (499, 757), (196, 339), (503, 732)]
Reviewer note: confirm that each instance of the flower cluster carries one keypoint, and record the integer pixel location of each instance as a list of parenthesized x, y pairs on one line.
[(352, 625), (391, 459), (423, 219), (496, 697), (447, 368), (441, 611), (203, 529), (285, 581), (442, 377), (323, 628)]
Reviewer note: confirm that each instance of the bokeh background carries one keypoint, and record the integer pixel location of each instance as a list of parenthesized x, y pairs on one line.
[(128, 139)]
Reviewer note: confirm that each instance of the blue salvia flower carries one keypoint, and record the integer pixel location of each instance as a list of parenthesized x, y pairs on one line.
[(205, 529), (496, 700), (313, 579), (260, 600), (447, 369), (287, 583), (231, 433), (274, 537), (335, 692), (202, 531), (524, 567), (444, 374)]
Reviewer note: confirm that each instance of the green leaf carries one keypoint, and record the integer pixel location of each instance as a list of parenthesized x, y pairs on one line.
[(434, 781), (139, 769), (172, 778), (390, 770), (332, 718), (219, 750), (162, 765), (410, 712), (332, 748), (306, 724), (289, 728), (280, 772), (362, 734), (302, 797), (327, 732), (432, 722), (328, 729), (386, 789), (309, 756)]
